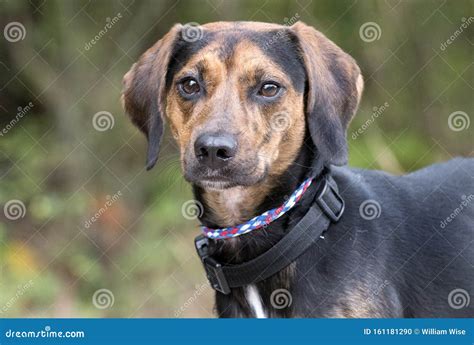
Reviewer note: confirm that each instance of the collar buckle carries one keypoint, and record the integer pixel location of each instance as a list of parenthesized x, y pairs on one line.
[(330, 202), (214, 271)]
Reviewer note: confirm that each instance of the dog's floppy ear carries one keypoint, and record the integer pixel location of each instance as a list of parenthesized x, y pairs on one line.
[(334, 87), (143, 96)]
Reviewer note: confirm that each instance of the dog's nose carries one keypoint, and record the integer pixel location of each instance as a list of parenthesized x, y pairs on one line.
[(215, 150)]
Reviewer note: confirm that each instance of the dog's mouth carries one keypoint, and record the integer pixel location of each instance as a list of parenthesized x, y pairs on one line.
[(220, 180), (214, 183)]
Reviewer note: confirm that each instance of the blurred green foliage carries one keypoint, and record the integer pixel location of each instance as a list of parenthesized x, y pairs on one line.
[(64, 170)]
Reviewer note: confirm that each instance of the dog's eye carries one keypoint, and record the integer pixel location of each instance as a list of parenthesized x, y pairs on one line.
[(269, 90), (190, 86)]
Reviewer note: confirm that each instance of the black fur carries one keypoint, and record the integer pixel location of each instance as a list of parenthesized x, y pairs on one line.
[(401, 264)]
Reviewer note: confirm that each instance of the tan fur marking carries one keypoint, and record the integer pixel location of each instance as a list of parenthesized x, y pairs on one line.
[(360, 87), (357, 303)]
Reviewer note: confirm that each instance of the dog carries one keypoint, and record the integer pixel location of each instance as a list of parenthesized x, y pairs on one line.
[(258, 108)]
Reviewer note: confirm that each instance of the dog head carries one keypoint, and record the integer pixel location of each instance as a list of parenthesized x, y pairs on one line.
[(239, 98)]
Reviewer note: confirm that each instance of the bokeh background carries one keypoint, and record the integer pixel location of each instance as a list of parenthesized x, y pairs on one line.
[(67, 151)]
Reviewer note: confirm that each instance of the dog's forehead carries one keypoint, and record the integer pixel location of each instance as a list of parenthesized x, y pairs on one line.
[(226, 39), (242, 25)]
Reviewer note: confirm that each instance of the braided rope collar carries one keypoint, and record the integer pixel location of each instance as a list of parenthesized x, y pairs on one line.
[(259, 221)]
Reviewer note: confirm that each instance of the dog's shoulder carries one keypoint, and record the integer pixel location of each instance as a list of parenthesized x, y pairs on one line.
[(456, 167), (434, 191), (442, 185), (452, 174)]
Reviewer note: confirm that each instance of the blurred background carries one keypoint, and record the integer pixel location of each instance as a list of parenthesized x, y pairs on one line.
[(85, 231)]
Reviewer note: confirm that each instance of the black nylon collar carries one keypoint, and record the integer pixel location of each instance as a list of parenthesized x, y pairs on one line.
[(327, 207)]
